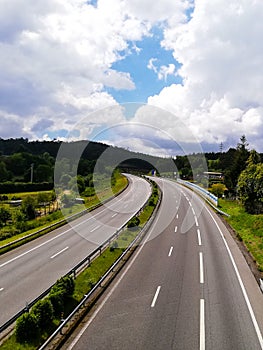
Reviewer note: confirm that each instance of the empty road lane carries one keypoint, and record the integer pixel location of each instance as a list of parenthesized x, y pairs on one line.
[(29, 270), (181, 289)]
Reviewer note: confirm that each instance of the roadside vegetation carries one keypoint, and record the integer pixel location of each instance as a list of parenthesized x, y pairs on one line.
[(41, 209), (33, 327), (248, 228)]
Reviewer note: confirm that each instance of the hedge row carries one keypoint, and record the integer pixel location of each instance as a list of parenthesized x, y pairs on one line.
[(32, 324), (15, 187)]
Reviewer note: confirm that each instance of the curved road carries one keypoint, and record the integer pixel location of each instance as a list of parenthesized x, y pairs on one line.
[(182, 289), (29, 270)]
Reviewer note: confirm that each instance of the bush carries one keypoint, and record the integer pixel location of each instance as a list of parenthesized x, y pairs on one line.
[(66, 285), (151, 202), (44, 312), (27, 328), (133, 222), (62, 289), (57, 300)]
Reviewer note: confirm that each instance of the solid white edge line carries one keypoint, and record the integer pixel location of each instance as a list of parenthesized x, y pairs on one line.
[(199, 237), (201, 267), (156, 296), (170, 251), (202, 324), (60, 252), (257, 329)]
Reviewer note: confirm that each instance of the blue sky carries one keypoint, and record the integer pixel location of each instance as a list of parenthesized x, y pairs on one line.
[(146, 80), (68, 66)]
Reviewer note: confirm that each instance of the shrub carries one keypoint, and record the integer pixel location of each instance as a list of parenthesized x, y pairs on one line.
[(65, 284), (27, 328), (133, 222), (57, 300), (44, 312), (62, 289)]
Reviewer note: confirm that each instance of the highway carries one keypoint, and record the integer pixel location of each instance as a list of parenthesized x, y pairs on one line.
[(28, 271), (186, 287)]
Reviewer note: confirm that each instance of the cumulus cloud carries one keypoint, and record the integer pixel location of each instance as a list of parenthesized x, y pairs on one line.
[(57, 59), (58, 54), (221, 54)]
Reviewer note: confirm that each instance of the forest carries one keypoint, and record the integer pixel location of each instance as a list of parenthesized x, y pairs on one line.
[(29, 166)]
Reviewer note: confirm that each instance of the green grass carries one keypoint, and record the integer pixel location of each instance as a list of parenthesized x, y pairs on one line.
[(249, 228)]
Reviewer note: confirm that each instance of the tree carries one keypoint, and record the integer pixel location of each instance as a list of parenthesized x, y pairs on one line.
[(239, 161), (27, 328), (4, 174), (250, 185), (28, 207), (44, 312), (5, 215), (218, 189), (44, 173)]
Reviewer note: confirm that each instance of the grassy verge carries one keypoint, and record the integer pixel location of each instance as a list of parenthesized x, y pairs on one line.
[(249, 228), (91, 275)]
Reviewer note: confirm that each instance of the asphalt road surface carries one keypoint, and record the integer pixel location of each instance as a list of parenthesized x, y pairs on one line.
[(187, 287), (29, 270)]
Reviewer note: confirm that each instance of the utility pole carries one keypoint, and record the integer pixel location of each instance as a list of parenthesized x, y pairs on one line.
[(221, 147)]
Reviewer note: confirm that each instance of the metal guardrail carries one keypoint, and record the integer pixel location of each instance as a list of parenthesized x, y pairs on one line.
[(71, 272), (209, 197), (103, 278), (203, 192), (261, 284)]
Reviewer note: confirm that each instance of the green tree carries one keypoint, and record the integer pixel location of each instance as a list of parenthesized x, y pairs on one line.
[(4, 174), (43, 173), (27, 328), (19, 220), (250, 185), (218, 189), (28, 207), (44, 312), (5, 215), (239, 161)]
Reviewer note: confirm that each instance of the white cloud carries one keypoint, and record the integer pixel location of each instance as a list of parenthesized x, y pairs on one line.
[(59, 54), (151, 65), (165, 71), (57, 59), (221, 55)]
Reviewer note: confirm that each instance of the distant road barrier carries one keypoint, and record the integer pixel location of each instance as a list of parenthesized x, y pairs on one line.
[(208, 196), (204, 193)]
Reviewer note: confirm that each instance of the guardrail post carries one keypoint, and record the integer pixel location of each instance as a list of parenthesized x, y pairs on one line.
[(61, 321)]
